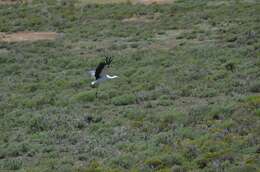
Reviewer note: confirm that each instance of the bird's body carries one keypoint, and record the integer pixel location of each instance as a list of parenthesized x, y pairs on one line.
[(99, 74)]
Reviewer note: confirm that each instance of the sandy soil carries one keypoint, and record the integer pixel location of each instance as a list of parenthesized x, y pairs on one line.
[(27, 36)]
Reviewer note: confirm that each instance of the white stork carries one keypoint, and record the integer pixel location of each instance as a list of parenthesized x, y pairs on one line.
[(100, 72)]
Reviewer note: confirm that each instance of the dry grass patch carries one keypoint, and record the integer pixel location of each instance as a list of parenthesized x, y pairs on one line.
[(229, 3), (186, 104), (171, 38), (217, 3), (141, 19), (103, 1), (137, 19), (10, 2), (166, 40), (27, 36), (147, 2)]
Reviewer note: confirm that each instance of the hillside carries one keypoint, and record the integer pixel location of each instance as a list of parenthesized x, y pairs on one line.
[(187, 97)]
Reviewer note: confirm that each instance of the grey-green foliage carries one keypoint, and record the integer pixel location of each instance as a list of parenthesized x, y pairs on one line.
[(124, 99)]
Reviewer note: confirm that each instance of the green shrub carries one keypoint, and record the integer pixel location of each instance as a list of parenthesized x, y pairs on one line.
[(124, 161), (257, 112), (124, 100), (171, 116), (255, 87), (12, 164), (243, 168), (85, 96), (162, 161), (154, 163), (38, 124), (253, 101)]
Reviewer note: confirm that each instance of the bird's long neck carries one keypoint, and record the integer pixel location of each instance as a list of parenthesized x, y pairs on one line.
[(111, 77)]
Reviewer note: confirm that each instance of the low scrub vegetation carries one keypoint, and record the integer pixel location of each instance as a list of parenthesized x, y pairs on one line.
[(187, 97)]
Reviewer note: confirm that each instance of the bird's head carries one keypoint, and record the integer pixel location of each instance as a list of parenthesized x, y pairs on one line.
[(108, 61)]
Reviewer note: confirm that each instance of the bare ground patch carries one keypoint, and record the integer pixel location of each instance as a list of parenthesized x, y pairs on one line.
[(27, 36)]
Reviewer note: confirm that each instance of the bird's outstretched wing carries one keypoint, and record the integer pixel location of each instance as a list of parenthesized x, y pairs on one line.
[(99, 70)]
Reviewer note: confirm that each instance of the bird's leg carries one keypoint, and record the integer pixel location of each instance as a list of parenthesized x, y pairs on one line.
[(97, 92)]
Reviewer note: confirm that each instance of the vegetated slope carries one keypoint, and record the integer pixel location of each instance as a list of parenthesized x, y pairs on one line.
[(187, 97)]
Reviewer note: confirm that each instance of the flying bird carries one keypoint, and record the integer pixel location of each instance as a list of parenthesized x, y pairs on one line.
[(99, 74)]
